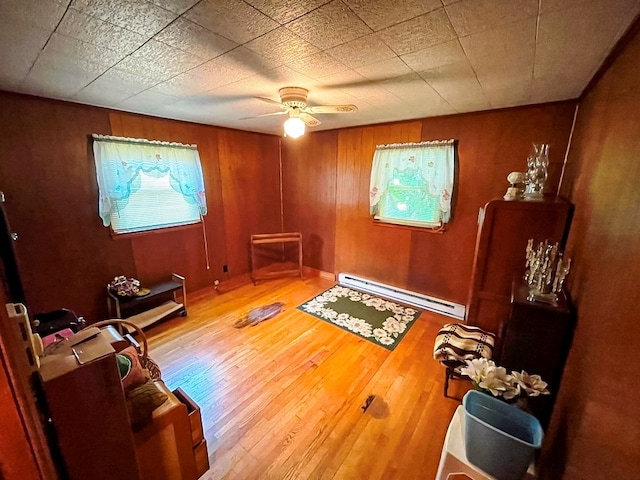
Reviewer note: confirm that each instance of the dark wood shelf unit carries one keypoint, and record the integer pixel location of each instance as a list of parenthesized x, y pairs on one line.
[(504, 227), (537, 339), (160, 303)]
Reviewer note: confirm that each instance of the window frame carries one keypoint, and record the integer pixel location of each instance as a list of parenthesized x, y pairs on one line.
[(122, 166), (377, 199)]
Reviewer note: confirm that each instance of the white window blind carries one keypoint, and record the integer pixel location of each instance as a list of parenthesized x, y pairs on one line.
[(146, 185)]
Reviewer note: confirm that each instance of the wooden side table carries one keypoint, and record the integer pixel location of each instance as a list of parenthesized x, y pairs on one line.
[(161, 302), (271, 238)]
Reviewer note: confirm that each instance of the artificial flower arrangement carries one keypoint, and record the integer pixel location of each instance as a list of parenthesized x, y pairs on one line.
[(489, 378), (125, 287)]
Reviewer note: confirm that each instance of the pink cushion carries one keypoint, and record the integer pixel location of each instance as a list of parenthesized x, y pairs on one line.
[(54, 337)]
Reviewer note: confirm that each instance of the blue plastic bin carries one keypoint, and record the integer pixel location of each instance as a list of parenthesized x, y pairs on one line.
[(499, 438)]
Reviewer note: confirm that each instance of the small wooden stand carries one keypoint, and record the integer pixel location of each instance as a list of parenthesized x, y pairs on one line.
[(161, 302), (266, 238)]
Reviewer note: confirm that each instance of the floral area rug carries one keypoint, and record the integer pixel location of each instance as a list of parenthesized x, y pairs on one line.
[(378, 320)]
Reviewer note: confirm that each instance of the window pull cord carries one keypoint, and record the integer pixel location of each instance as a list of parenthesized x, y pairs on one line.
[(206, 245)]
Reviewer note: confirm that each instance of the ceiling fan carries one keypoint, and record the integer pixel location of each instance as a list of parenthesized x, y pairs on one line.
[(293, 102)]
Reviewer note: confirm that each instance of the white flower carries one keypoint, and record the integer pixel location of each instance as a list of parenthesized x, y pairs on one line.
[(497, 381), (531, 384), (385, 340), (410, 311), (392, 325), (476, 369), (328, 313), (379, 332), (366, 330), (342, 319)]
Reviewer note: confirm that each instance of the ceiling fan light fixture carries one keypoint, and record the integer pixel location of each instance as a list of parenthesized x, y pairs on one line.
[(294, 127)]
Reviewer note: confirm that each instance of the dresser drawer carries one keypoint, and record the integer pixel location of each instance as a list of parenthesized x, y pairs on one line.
[(195, 419), (201, 455)]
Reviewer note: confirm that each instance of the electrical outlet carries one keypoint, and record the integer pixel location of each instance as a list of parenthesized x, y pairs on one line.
[(225, 269)]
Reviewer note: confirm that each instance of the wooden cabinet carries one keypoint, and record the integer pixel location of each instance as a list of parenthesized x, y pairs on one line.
[(537, 339), (161, 302), (503, 230), (89, 426)]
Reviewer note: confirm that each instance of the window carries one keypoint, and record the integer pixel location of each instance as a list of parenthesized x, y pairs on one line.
[(412, 183), (146, 185)]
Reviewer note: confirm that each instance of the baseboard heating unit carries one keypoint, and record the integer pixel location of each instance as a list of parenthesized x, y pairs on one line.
[(419, 300)]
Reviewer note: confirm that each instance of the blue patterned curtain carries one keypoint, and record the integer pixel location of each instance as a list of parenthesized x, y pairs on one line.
[(119, 162)]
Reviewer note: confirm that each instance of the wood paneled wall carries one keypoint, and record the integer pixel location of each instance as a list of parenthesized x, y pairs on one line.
[(65, 255), (309, 195), (325, 185), (250, 172), (490, 145), (595, 428)]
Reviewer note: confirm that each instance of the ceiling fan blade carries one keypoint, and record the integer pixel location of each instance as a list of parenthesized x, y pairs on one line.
[(264, 115), (309, 120), (275, 102), (332, 109)]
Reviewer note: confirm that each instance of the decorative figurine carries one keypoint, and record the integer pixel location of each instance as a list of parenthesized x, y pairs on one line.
[(546, 272), (516, 180)]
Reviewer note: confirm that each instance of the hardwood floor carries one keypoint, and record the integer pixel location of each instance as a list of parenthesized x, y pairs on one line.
[(282, 399)]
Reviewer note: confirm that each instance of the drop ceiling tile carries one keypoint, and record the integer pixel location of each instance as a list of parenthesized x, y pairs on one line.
[(233, 19), (318, 65), (35, 13), (578, 39), (362, 51), (552, 89), (100, 95), (49, 82), (125, 81), (344, 79), (517, 93), (249, 88), (26, 44), (191, 37), (10, 80), (281, 46), (384, 13), (284, 11), (175, 6), (135, 15), (329, 25), (64, 46), (547, 6), (230, 67), (457, 84), (72, 65), (412, 89), (284, 76), (599, 24), (511, 40), (158, 61), (436, 56), (146, 102), (98, 32), (419, 33), (185, 84), (391, 69), (578, 65), (504, 75), (471, 16)]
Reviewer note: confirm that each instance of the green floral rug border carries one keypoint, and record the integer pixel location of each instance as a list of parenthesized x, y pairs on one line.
[(376, 319)]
